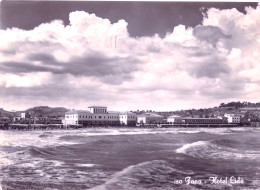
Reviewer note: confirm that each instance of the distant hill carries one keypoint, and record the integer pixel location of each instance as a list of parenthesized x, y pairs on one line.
[(4, 113), (240, 104), (39, 111), (45, 111), (231, 107)]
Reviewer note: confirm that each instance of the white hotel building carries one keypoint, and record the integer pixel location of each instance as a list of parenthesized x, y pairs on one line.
[(233, 118), (98, 115)]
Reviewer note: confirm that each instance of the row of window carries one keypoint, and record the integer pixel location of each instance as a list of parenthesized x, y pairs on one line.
[(100, 117), (129, 117), (98, 110), (71, 116), (202, 121)]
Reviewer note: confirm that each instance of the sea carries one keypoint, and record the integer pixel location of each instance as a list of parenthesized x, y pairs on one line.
[(130, 158)]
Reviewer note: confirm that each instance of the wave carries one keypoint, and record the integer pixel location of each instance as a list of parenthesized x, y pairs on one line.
[(187, 147), (35, 151), (108, 132), (55, 138), (217, 149), (43, 136), (85, 165), (156, 174), (72, 137)]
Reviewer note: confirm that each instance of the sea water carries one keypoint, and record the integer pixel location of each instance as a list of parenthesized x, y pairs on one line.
[(131, 158)]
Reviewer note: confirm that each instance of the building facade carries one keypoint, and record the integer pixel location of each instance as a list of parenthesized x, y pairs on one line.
[(97, 115), (149, 118), (127, 118), (174, 119), (233, 118), (189, 120)]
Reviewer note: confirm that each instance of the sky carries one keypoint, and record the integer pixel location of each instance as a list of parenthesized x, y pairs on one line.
[(128, 55)]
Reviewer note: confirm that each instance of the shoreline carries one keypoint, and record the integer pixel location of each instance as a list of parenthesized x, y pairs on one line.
[(36, 127)]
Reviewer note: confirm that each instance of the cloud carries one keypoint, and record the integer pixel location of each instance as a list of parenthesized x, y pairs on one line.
[(211, 68), (211, 34), (94, 61), (41, 57), (95, 64)]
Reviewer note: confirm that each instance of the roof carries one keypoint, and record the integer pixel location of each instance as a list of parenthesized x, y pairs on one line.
[(114, 112), (200, 118), (77, 111), (149, 115), (97, 107), (233, 114), (173, 116), (126, 113)]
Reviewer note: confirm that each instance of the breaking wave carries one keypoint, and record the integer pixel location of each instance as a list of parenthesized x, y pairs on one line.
[(156, 174), (42, 151), (217, 149)]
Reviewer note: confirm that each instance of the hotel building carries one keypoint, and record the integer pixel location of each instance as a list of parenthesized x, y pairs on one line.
[(98, 115)]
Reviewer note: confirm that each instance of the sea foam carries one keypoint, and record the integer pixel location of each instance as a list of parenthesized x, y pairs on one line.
[(185, 147)]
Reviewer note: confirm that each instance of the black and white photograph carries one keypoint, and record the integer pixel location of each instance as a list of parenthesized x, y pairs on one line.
[(129, 95)]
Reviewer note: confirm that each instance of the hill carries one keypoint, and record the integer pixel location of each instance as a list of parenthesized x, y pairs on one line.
[(45, 111), (4, 113)]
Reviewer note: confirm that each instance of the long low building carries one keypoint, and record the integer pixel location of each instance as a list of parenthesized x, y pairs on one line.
[(189, 120), (97, 115)]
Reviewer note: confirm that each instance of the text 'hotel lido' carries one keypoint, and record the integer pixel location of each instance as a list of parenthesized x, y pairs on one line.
[(97, 115)]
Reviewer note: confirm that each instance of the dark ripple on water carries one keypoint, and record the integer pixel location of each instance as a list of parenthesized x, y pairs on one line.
[(40, 173)]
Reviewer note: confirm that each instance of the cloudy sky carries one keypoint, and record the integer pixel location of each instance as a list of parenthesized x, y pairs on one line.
[(128, 55)]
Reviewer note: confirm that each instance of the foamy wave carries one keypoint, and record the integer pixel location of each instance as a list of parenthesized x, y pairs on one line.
[(86, 165), (117, 132), (211, 150), (67, 137), (4, 161), (31, 138), (185, 147), (156, 172)]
